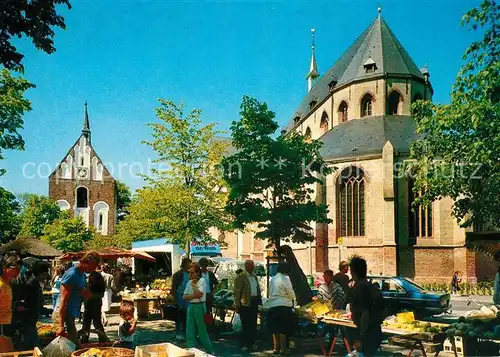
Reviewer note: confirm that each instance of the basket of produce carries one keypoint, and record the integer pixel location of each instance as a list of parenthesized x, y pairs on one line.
[(46, 333), (104, 352)]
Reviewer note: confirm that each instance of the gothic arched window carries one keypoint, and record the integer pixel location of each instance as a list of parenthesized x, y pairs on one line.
[(82, 197), (352, 202), (307, 135), (323, 125), (420, 216), (343, 112), (366, 105), (394, 103)]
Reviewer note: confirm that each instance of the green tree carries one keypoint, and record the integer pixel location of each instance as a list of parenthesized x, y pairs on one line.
[(9, 216), (124, 198), (98, 241), (30, 18), (191, 153), (13, 105), (271, 179), (459, 154), (38, 211), (158, 211), (68, 234)]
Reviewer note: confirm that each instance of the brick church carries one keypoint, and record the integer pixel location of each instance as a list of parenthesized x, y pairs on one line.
[(361, 110), (82, 184)]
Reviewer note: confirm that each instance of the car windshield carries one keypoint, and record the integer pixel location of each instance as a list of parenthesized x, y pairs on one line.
[(414, 284)]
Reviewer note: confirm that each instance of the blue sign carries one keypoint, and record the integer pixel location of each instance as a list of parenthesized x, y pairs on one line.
[(200, 248)]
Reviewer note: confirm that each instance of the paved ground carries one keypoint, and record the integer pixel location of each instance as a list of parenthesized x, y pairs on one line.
[(158, 331)]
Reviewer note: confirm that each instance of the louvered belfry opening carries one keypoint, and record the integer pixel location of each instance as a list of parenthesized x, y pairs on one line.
[(352, 202)]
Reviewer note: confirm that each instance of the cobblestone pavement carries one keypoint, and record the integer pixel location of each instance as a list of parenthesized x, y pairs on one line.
[(159, 331)]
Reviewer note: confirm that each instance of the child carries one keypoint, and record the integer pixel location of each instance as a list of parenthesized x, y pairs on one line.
[(128, 322)]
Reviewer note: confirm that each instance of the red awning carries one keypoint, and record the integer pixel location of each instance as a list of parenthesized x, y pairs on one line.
[(111, 253)]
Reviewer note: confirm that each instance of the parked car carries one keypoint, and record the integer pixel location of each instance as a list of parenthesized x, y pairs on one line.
[(403, 294)]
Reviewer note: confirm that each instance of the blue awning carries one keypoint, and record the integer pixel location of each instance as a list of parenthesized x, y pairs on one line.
[(150, 243)]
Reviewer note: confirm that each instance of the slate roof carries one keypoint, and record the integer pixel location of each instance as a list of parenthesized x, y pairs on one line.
[(377, 42), (367, 136)]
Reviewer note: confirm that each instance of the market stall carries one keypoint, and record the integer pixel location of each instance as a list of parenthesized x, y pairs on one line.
[(475, 334), (151, 300), (111, 254), (404, 329)]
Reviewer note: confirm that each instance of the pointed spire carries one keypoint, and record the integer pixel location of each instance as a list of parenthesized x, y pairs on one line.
[(313, 68), (86, 124)]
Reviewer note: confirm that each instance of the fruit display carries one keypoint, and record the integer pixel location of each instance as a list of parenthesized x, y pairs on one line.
[(46, 330), (151, 294), (108, 352), (162, 284), (414, 326), (476, 327)]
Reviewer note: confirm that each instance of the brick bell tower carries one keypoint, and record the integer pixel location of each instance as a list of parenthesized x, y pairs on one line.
[(82, 184)]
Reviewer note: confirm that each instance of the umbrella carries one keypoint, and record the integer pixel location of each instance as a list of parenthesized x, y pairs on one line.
[(111, 253)]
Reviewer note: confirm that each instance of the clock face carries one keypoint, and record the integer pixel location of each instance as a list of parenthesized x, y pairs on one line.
[(82, 173)]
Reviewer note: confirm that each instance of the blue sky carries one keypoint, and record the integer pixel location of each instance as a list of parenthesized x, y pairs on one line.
[(121, 56)]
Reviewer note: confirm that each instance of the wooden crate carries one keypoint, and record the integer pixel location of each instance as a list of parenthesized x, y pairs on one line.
[(430, 347), (162, 349), (33, 353), (309, 344)]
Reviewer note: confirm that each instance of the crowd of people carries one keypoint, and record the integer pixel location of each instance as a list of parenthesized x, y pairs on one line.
[(21, 300), (84, 284), (193, 286), (90, 285)]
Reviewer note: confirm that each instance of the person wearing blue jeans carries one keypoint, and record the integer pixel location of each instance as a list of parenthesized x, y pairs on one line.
[(179, 282)]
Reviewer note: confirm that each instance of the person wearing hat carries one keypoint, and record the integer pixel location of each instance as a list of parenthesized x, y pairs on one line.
[(212, 283)]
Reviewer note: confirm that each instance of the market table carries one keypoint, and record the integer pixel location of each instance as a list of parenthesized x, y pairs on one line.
[(415, 339), (141, 305)]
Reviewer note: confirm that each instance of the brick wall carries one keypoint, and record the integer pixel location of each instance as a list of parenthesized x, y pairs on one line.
[(63, 189), (486, 267), (231, 248)]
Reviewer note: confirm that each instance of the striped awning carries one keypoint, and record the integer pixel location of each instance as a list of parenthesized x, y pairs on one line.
[(487, 243)]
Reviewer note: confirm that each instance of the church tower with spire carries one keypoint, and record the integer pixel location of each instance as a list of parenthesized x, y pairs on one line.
[(313, 67), (82, 184)]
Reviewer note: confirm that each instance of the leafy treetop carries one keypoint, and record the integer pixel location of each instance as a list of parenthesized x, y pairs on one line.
[(272, 180), (33, 19), (68, 234), (13, 105), (38, 211), (459, 154)]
